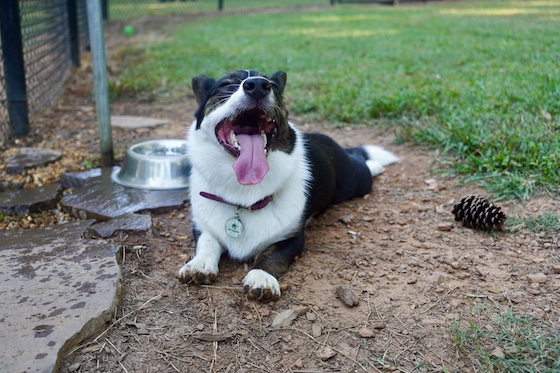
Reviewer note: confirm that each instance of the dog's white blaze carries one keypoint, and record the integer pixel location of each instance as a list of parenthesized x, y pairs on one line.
[(259, 279), (212, 172)]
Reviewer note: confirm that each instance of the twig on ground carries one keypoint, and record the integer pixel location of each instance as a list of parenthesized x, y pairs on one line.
[(127, 315)]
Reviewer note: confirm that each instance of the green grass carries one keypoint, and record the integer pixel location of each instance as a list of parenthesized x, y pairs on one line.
[(130, 9), (479, 80), (529, 345), (547, 222)]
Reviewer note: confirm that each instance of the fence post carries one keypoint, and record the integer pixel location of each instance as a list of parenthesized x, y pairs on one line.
[(101, 87), (14, 68), (105, 9), (220, 5), (74, 32)]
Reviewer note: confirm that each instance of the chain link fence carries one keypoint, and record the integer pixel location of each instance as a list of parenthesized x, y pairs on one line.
[(45, 40), (4, 125)]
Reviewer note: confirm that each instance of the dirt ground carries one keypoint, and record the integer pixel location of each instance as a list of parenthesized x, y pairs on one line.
[(412, 268)]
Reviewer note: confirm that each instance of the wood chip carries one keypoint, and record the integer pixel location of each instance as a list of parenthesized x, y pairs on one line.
[(212, 337)]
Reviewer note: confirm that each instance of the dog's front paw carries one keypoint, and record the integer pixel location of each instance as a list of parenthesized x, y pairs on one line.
[(198, 271), (260, 285)]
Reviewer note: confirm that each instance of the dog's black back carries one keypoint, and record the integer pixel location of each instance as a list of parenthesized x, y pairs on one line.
[(338, 174)]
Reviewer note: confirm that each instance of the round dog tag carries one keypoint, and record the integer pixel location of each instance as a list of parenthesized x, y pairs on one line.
[(234, 227)]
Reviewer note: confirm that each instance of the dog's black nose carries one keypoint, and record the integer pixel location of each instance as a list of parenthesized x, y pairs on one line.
[(257, 87)]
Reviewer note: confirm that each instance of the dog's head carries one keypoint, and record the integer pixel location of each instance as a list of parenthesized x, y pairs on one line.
[(245, 113)]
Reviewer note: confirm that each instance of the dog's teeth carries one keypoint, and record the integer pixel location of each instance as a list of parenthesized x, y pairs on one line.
[(267, 118), (233, 140), (265, 140)]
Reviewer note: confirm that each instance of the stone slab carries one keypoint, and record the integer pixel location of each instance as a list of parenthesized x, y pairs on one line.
[(133, 122), (31, 157), (102, 199), (23, 201), (76, 180), (56, 289), (124, 223)]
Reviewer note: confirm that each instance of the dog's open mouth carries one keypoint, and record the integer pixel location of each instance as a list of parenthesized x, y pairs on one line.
[(248, 136)]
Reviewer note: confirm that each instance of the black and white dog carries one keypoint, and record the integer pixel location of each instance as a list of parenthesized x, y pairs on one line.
[(256, 180)]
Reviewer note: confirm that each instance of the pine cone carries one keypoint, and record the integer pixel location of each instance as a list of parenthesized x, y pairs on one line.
[(478, 213)]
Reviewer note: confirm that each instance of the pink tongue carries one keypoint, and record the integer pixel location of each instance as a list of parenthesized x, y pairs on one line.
[(251, 165)]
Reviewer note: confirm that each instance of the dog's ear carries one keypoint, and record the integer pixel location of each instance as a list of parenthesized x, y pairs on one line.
[(201, 85), (279, 78)]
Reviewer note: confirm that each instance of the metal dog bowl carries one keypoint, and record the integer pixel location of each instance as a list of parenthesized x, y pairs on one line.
[(155, 165)]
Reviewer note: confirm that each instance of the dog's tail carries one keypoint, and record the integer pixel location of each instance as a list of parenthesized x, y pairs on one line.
[(376, 157)]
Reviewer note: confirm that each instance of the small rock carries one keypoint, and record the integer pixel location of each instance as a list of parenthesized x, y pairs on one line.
[(285, 318), (539, 278), (556, 269), (379, 325), (411, 280), (311, 316), (436, 278), (299, 364), (316, 330), (74, 367), (366, 333), (498, 352), (445, 227), (326, 353), (347, 296), (347, 219)]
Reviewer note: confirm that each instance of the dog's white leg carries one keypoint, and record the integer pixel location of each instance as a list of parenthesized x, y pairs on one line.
[(203, 268), (375, 168), (263, 283)]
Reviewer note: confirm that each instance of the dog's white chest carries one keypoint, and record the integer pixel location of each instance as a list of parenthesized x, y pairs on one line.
[(244, 233), (241, 232)]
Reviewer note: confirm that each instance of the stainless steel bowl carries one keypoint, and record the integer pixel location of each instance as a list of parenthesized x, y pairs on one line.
[(155, 165)]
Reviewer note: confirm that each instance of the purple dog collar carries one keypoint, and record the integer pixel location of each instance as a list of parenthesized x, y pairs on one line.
[(254, 207)]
